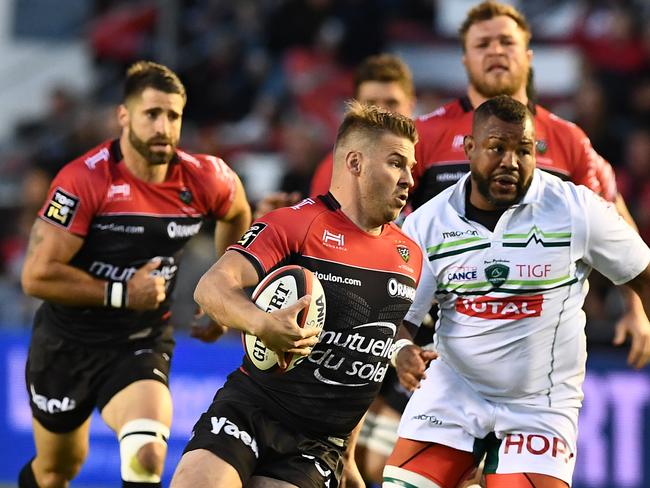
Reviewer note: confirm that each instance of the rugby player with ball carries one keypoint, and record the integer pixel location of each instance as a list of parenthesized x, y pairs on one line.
[(295, 425)]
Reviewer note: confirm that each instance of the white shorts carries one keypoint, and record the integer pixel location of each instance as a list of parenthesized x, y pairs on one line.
[(533, 438)]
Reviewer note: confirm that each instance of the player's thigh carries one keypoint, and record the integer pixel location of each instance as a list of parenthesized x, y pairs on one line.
[(427, 464), (202, 468), (523, 480), (264, 482), (148, 399), (56, 451)]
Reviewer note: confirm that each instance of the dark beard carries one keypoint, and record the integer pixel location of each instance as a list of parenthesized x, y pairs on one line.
[(483, 186), (142, 147), (490, 90)]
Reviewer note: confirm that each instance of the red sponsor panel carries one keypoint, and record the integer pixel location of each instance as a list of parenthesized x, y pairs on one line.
[(511, 308)]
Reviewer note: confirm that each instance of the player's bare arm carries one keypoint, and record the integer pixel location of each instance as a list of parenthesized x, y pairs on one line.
[(351, 475), (220, 293), (640, 349), (411, 360), (232, 225), (48, 275)]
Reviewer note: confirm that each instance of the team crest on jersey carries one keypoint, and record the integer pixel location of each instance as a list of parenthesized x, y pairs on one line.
[(251, 234), (62, 208), (497, 274), (404, 252), (542, 146), (185, 195)]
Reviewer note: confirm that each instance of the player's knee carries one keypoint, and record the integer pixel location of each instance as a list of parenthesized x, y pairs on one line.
[(59, 477), (56, 476), (143, 445)]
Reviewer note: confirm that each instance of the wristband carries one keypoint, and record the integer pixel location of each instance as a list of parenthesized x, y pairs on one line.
[(397, 347), (115, 294)]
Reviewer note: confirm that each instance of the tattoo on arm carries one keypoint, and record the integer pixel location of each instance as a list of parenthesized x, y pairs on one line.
[(35, 238)]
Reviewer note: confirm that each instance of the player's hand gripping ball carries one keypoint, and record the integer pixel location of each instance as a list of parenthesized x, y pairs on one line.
[(280, 289)]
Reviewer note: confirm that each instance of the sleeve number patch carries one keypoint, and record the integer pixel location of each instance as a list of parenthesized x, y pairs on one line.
[(251, 234), (62, 208)]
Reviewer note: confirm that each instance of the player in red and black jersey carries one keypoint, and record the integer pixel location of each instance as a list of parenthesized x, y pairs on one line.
[(295, 429), (103, 256)]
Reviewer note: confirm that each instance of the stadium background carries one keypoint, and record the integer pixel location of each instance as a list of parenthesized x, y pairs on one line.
[(266, 80)]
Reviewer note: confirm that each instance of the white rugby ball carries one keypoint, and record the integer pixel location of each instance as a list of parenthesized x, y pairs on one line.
[(280, 289)]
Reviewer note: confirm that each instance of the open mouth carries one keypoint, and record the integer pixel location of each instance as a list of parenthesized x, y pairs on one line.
[(506, 182)]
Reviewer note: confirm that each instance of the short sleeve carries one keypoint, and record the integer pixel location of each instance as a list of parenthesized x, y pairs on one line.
[(224, 187), (612, 247), (270, 241), (591, 169), (425, 291), (73, 200)]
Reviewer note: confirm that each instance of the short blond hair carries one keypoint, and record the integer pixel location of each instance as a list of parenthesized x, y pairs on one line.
[(370, 119), (488, 10)]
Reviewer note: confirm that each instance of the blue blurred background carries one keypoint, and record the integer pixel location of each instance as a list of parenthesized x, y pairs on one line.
[(266, 83)]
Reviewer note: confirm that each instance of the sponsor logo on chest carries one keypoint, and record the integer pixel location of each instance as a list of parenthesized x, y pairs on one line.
[(181, 231), (462, 273), (333, 240), (501, 308), (400, 290), (119, 192)]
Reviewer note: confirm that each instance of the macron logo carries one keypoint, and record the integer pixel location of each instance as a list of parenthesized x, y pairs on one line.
[(336, 239)]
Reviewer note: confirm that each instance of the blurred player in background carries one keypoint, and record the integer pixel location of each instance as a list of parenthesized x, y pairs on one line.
[(383, 80), (509, 250), (103, 255), (298, 428)]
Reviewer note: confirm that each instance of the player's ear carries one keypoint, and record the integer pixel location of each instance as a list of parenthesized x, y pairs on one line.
[(468, 145), (353, 162), (123, 115)]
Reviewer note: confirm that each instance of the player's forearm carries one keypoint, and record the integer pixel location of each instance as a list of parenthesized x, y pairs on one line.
[(64, 284), (225, 302), (641, 287), (352, 441), (229, 232)]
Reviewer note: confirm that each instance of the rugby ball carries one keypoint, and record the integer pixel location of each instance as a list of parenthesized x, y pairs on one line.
[(280, 289)]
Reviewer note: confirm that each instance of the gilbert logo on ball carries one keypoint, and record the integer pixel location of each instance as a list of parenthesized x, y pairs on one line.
[(280, 289)]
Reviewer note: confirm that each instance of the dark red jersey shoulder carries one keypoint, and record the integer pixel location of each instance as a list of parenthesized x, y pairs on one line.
[(274, 238), (563, 148), (76, 192), (210, 180)]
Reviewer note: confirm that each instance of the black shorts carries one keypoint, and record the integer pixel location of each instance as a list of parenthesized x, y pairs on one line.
[(66, 381), (238, 430)]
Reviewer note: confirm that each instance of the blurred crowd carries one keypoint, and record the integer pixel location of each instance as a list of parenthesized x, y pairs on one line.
[(266, 81)]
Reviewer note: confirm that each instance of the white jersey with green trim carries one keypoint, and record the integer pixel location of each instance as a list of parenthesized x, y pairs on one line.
[(510, 317)]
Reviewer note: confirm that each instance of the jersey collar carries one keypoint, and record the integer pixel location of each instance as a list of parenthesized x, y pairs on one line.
[(466, 105)]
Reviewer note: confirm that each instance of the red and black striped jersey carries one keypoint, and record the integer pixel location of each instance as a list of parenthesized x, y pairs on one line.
[(369, 284), (126, 222), (562, 148)]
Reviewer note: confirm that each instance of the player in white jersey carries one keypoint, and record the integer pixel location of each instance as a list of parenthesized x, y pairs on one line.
[(508, 252)]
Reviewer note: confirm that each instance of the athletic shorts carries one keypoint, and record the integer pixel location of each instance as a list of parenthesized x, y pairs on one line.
[(238, 430), (529, 438), (66, 381)]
